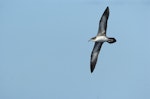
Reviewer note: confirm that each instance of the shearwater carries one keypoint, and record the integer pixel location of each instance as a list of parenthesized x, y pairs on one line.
[(100, 39)]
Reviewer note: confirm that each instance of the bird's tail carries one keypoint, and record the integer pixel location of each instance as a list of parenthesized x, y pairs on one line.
[(111, 40)]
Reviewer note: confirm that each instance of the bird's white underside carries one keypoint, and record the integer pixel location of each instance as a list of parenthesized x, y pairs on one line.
[(101, 39)]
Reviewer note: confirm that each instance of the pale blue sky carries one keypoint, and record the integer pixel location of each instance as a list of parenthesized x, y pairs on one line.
[(45, 53)]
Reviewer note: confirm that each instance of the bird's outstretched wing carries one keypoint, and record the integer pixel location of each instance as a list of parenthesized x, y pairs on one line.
[(103, 22), (94, 55)]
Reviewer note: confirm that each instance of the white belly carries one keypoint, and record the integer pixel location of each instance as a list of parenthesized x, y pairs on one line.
[(101, 39)]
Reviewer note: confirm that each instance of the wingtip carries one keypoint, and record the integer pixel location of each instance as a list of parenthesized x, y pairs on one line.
[(106, 12), (92, 69), (107, 9)]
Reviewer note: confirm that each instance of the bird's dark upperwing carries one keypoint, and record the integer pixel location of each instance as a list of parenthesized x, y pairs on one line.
[(94, 55), (103, 22)]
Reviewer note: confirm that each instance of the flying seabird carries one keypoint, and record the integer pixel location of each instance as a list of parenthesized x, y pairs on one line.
[(100, 39)]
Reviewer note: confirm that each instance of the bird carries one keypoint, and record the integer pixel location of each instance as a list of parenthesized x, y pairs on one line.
[(100, 38)]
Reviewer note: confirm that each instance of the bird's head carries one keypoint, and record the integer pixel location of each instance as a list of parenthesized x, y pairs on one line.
[(92, 39)]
